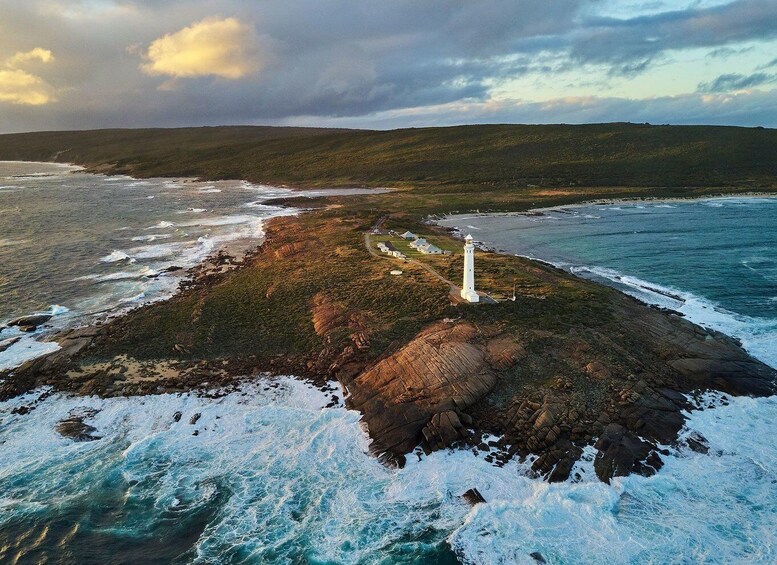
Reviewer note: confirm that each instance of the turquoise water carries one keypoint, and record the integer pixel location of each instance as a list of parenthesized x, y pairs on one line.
[(714, 260)]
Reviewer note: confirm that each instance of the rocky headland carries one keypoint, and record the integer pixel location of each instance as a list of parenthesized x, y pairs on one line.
[(568, 364)]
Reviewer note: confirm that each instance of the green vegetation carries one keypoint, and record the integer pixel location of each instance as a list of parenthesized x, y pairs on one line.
[(268, 308), (315, 294), (444, 161)]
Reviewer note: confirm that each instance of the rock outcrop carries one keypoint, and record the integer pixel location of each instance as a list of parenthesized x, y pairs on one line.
[(421, 392), (73, 427)]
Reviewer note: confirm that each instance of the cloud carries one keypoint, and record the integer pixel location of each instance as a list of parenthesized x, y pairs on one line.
[(769, 65), (132, 63), (37, 54), (735, 81), (745, 108), (21, 87), (631, 44), (225, 48)]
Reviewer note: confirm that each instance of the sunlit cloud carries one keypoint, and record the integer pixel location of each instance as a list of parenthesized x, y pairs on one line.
[(18, 86), (37, 54), (224, 48)]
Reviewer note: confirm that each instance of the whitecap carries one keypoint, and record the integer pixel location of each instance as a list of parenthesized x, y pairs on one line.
[(58, 309), (118, 276), (153, 237), (159, 250), (116, 256), (11, 242)]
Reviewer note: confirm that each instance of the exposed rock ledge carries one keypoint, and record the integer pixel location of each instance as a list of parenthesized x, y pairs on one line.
[(422, 390), (453, 382)]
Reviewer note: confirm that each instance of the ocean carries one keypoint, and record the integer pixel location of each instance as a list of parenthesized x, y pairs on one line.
[(266, 474), (714, 260)]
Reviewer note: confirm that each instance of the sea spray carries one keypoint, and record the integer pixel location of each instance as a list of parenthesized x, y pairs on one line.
[(265, 473)]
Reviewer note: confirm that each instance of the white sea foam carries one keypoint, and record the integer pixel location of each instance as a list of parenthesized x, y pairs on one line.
[(11, 242), (223, 221), (116, 256), (57, 310), (161, 226), (300, 485), (118, 276), (152, 237), (160, 250), (23, 350), (758, 335)]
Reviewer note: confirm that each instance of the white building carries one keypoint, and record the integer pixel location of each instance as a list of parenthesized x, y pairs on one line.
[(430, 249), (409, 235), (420, 242), (468, 286)]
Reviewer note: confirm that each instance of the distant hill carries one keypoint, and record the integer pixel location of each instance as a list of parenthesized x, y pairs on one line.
[(513, 156)]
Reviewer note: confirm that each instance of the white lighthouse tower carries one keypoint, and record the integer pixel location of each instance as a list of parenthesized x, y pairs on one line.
[(468, 287)]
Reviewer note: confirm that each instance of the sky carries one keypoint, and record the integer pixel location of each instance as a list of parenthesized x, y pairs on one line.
[(83, 64)]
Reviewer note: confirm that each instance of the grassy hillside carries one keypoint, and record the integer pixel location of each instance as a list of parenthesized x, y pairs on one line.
[(495, 156)]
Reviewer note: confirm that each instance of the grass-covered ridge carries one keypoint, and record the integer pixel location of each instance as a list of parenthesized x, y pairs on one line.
[(491, 157)]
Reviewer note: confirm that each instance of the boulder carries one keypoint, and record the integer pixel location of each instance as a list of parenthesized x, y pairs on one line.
[(6, 343), (73, 427), (473, 497), (621, 452), (30, 321), (598, 370), (443, 430)]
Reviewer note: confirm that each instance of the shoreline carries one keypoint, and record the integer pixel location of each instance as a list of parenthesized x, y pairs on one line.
[(226, 256), (612, 201), (288, 310), (639, 289)]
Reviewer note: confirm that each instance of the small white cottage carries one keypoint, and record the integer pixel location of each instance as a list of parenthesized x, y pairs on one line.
[(430, 249)]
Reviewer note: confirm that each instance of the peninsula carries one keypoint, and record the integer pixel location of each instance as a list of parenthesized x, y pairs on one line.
[(567, 364)]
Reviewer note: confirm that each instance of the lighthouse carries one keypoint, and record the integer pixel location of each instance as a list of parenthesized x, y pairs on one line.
[(468, 287)]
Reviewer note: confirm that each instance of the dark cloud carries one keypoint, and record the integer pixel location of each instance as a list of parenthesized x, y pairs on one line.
[(769, 65), (750, 109), (725, 52), (630, 45), (736, 81), (340, 58)]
